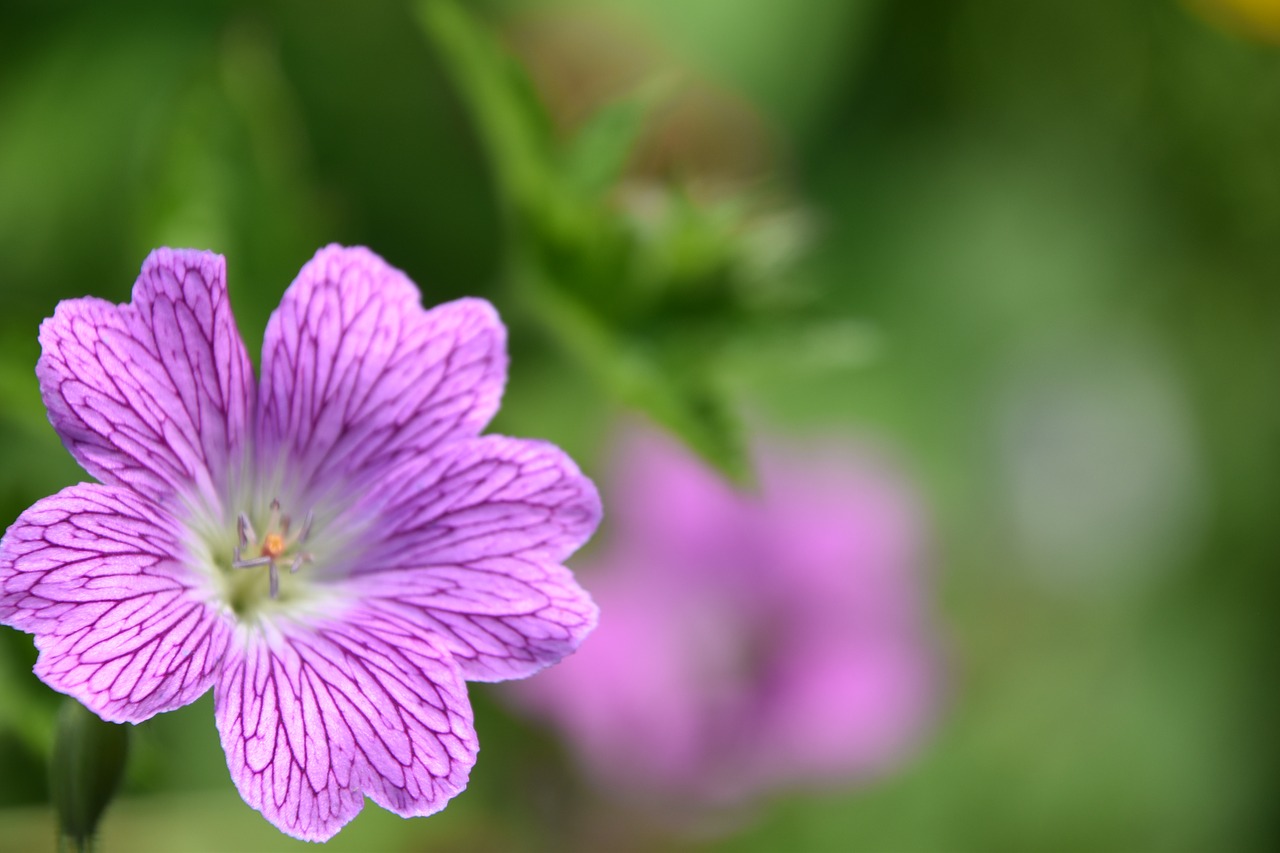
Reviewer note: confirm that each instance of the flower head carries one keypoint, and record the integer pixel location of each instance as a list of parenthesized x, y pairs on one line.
[(334, 549), (752, 641)]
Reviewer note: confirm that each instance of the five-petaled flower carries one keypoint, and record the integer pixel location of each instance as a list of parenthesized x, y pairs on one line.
[(333, 549)]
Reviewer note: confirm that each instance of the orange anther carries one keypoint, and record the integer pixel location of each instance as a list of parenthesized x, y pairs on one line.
[(273, 545)]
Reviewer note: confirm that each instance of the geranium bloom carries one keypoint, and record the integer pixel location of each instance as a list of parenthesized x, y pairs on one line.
[(752, 642), (333, 549)]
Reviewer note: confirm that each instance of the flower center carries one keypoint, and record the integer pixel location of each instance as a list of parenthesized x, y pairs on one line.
[(279, 544), (273, 545)]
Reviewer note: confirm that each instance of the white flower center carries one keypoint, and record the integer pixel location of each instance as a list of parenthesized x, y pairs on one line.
[(259, 567), (282, 558)]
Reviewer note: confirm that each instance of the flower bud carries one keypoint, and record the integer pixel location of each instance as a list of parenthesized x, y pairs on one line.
[(88, 759)]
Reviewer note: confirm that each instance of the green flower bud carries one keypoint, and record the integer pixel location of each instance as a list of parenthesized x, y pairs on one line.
[(88, 760)]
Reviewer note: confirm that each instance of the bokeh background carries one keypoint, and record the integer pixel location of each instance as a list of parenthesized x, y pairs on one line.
[(1029, 250)]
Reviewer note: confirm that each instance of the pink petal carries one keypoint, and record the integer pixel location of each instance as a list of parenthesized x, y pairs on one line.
[(96, 573), (356, 376), (314, 717), (865, 701), (635, 701), (469, 545), (704, 521), (156, 394), (752, 641)]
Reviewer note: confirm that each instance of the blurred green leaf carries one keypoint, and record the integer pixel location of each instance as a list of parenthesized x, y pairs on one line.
[(78, 123), (25, 710), (685, 250), (596, 156), (190, 198), (819, 345), (512, 122), (648, 289), (790, 57), (683, 400)]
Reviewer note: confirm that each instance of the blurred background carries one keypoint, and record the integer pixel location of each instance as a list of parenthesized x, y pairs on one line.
[(1028, 251)]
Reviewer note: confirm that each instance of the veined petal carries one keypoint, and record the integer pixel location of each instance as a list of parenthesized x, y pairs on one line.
[(96, 573), (156, 394), (468, 544), (313, 717), (357, 376)]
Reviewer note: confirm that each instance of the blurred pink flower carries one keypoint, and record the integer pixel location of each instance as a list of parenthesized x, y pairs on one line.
[(748, 641)]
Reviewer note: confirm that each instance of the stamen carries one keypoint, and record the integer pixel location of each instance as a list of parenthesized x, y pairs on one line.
[(245, 528), (274, 545)]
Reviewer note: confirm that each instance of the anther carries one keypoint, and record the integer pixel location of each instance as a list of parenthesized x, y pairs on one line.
[(298, 560), (274, 545), (245, 528)]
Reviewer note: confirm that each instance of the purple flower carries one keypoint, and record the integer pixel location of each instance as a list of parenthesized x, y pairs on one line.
[(333, 549), (751, 642)]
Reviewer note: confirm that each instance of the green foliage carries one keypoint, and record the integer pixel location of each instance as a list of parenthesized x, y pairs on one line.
[(594, 158), (500, 98), (651, 292)]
